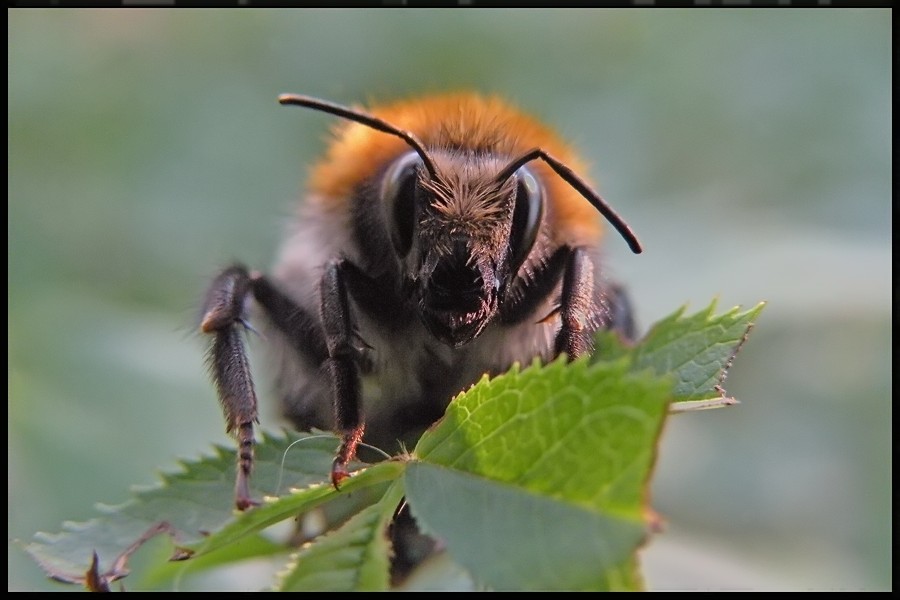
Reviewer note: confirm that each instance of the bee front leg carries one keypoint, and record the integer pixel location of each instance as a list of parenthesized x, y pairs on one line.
[(576, 309), (342, 366), (224, 317)]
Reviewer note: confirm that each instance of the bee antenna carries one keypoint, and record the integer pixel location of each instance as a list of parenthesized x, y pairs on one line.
[(570, 177), (364, 118)]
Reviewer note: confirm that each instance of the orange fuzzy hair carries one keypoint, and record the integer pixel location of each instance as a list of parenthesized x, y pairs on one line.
[(466, 120)]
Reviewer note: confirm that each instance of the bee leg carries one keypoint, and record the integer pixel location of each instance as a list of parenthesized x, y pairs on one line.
[(575, 336), (297, 326), (619, 313), (577, 303), (342, 366), (225, 313), (533, 287), (224, 317)]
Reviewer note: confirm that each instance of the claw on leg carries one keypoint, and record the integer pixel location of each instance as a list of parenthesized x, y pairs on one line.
[(346, 452), (242, 498)]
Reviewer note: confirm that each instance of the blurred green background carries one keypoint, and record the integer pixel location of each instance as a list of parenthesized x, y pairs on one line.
[(750, 149)]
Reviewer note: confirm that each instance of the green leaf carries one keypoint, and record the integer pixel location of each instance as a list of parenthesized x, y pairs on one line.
[(578, 432), (515, 540), (355, 557), (187, 506), (535, 479), (544, 470), (697, 350), (164, 572), (299, 501)]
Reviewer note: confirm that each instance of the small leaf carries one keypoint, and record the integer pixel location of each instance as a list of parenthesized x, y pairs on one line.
[(192, 503), (157, 576), (299, 501), (353, 558), (697, 350)]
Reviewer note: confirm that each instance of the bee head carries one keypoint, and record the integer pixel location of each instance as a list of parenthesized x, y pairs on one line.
[(462, 233), (462, 222)]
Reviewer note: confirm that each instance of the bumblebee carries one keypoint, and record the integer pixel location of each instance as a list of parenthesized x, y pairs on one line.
[(442, 238)]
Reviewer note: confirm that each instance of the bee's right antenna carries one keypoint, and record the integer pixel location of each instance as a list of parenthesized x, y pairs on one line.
[(583, 188)]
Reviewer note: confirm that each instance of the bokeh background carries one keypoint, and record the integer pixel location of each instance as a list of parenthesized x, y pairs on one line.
[(750, 149)]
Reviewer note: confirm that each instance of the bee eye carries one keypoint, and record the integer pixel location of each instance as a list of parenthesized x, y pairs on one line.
[(526, 218), (398, 192)]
